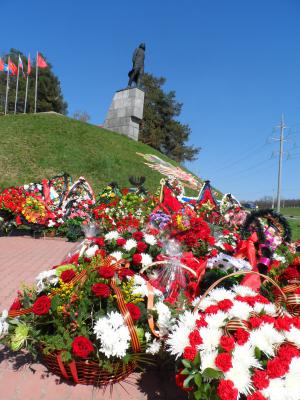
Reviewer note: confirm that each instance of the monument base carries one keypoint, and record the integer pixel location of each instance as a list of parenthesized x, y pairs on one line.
[(126, 112)]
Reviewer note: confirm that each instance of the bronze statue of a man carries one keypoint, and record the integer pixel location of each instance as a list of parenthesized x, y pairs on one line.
[(137, 71)]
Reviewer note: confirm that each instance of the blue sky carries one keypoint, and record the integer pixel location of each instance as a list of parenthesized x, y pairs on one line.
[(235, 66)]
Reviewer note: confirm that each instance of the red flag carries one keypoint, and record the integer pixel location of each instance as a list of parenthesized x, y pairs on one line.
[(1, 65), (28, 66), (13, 68), (41, 63)]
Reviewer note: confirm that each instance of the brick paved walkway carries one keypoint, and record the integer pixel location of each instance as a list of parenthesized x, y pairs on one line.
[(21, 259)]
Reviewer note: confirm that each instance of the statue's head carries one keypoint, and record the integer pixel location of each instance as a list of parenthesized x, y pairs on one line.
[(142, 46)]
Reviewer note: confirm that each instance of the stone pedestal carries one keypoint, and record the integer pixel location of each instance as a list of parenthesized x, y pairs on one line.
[(126, 112)]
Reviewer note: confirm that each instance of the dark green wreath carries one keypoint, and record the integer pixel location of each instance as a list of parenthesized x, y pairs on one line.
[(274, 219)]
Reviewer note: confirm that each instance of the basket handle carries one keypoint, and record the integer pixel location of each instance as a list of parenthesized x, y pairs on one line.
[(196, 308), (168, 262)]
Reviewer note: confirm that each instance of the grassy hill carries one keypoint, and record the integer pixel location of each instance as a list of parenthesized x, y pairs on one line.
[(40, 146)]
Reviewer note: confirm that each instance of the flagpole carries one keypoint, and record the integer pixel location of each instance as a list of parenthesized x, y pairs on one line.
[(26, 93), (17, 86), (7, 86), (36, 80)]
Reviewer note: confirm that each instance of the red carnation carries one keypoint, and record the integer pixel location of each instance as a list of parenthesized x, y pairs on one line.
[(212, 309), (241, 336), (123, 273), (16, 305), (101, 290), (101, 253), (136, 259), (226, 390), (121, 241), (223, 361), (200, 323), (276, 368), (106, 272), (227, 343), (138, 235), (225, 304), (260, 379), (296, 322), (268, 319), (255, 322), (134, 311), (67, 275), (82, 347), (256, 396), (189, 353), (283, 323), (195, 338), (42, 305), (99, 241), (141, 247), (261, 299), (286, 352)]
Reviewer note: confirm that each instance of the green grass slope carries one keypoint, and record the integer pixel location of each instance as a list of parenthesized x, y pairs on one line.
[(33, 147)]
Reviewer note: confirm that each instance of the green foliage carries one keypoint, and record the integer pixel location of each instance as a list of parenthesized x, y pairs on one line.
[(160, 128), (50, 96)]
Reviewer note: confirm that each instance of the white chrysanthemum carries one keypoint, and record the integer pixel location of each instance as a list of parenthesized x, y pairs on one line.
[(208, 359), (243, 290), (153, 347), (293, 335), (146, 259), (269, 309), (240, 310), (245, 355), (112, 235), (130, 244), (3, 324), (266, 337), (240, 376), (220, 294), (292, 381), (118, 255), (179, 338), (216, 320), (150, 239), (46, 277), (206, 302), (90, 252), (51, 223), (113, 335), (164, 320), (210, 337), (276, 390)]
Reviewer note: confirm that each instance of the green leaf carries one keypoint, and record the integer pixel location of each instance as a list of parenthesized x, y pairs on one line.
[(55, 302), (198, 395), (196, 361), (187, 381), (185, 371), (257, 353), (198, 379), (186, 363), (210, 373)]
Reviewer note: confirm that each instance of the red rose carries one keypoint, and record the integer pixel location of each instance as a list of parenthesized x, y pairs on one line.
[(123, 273), (136, 259), (141, 247), (212, 310), (226, 390), (227, 343), (260, 379), (106, 272), (121, 241), (225, 305), (138, 235), (195, 338), (82, 347), (223, 361), (99, 241), (101, 290), (189, 353), (276, 368), (241, 336), (291, 273), (134, 311), (16, 305), (42, 305), (67, 275), (256, 396)]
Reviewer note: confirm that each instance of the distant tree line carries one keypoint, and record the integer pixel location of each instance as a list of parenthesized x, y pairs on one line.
[(267, 202)]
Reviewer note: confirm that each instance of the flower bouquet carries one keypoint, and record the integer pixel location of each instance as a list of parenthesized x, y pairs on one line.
[(89, 321), (237, 345)]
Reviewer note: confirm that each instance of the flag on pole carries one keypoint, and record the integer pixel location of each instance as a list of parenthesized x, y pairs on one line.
[(28, 66), (41, 63), (21, 63), (1, 65), (12, 68)]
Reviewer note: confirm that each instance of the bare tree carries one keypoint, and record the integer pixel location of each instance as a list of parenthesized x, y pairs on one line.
[(81, 116)]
